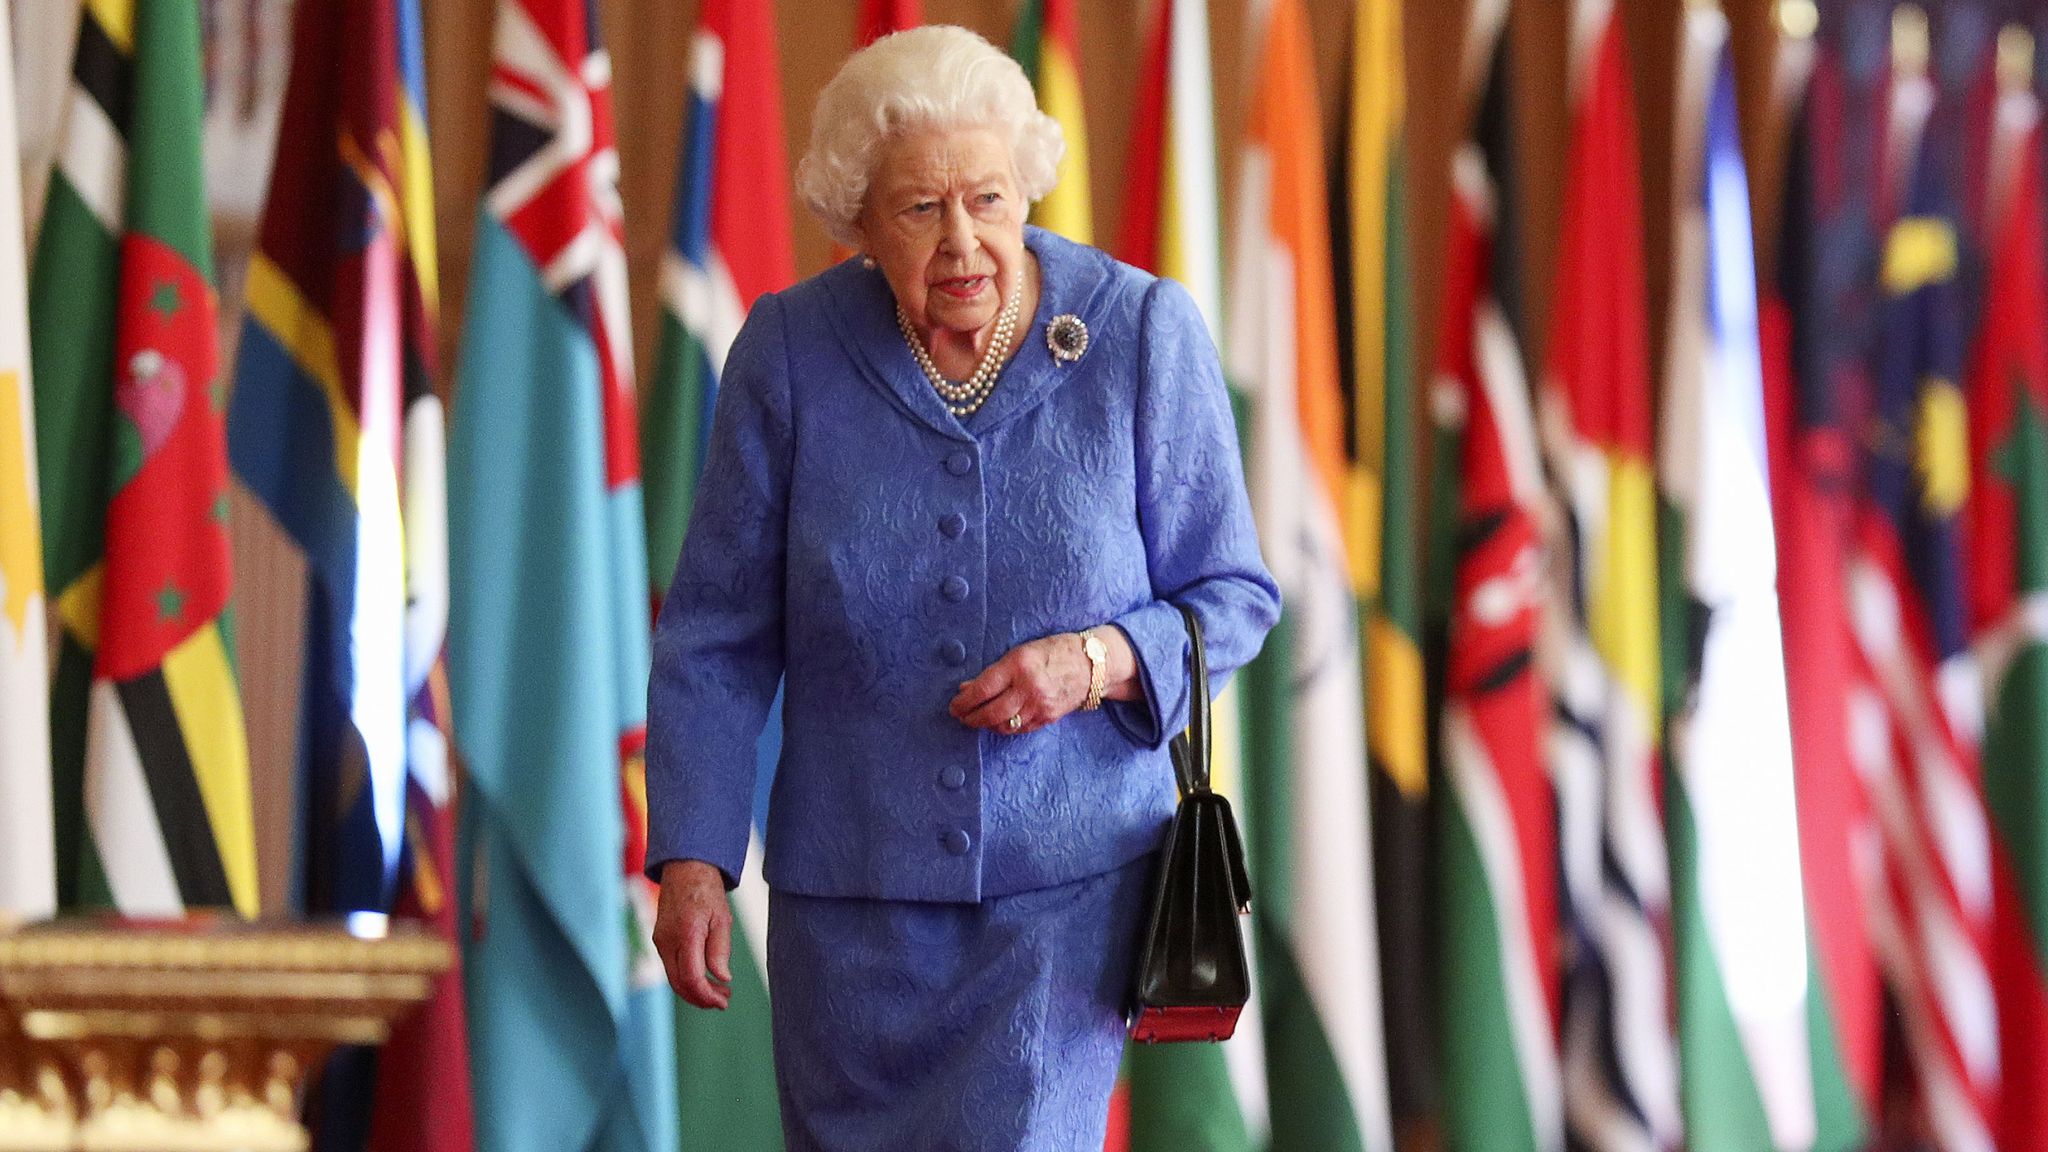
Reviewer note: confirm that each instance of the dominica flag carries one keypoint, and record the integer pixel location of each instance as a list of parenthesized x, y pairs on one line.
[(1811, 471), (1180, 1096), (1496, 872), (151, 768), (878, 18), (1916, 739), (1620, 1066), (1311, 833), (1380, 531), (1740, 920), (572, 1035), (28, 878), (1047, 43), (2007, 527), (731, 242), (336, 427)]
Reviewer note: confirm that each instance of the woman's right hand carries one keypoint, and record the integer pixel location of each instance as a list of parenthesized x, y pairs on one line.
[(693, 932)]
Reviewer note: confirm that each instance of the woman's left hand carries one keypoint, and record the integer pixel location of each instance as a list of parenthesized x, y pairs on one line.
[(1040, 681)]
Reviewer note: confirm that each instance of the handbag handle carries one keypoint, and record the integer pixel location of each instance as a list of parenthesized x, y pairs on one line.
[(1191, 749)]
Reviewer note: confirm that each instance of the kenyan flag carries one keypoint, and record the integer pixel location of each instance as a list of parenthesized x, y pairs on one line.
[(151, 769)]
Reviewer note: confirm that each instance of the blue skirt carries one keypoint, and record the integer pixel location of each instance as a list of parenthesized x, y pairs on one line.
[(907, 1027)]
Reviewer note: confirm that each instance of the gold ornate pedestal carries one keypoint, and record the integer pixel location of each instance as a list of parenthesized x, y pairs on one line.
[(118, 1036)]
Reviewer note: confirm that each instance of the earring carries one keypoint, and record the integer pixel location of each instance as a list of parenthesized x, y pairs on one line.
[(867, 262)]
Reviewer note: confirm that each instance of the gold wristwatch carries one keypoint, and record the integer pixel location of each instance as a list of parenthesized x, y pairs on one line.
[(1098, 669)]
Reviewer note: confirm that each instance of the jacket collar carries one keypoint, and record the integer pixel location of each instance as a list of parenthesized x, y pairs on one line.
[(1071, 281)]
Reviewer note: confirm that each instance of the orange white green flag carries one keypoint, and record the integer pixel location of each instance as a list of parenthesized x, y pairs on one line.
[(1047, 43), (28, 879), (1311, 833)]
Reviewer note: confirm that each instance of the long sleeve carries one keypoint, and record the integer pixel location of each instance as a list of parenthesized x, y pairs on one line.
[(718, 642), (1200, 544)]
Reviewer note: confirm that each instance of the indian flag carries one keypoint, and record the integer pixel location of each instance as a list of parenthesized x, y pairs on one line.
[(1047, 43), (1180, 1096), (28, 880), (1740, 919), (151, 767), (731, 243), (1311, 830)]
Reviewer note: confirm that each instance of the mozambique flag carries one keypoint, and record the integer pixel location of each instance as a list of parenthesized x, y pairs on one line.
[(151, 766), (2007, 531), (1047, 43), (1311, 832), (1930, 913), (1620, 1065), (1496, 879), (337, 428), (1187, 1096), (1811, 471), (1740, 920), (878, 18), (28, 880), (1380, 532), (572, 1035), (731, 243)]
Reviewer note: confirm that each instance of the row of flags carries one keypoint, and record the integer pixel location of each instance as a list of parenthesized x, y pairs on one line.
[(1632, 776)]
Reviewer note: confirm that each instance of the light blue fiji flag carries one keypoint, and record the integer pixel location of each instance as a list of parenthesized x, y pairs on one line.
[(571, 1023)]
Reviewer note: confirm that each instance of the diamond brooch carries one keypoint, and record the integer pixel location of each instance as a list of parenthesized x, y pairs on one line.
[(1067, 337)]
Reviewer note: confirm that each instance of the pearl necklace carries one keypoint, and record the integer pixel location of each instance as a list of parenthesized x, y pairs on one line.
[(966, 397)]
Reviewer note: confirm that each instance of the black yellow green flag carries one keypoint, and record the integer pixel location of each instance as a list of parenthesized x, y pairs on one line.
[(151, 766)]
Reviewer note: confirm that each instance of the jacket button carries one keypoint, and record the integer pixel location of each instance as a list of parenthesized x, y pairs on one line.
[(954, 777), (954, 588), (957, 842), (952, 524), (959, 463), (953, 652)]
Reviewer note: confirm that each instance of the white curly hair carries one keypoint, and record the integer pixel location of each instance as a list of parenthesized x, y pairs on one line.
[(935, 76)]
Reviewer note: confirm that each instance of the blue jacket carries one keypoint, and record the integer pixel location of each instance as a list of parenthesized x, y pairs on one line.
[(855, 539)]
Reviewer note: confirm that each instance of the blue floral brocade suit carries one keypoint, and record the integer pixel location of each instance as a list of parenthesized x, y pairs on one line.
[(954, 910)]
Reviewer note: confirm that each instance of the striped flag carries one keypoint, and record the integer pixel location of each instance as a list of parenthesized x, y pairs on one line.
[(1380, 533), (336, 427), (1047, 43), (878, 18), (1811, 470), (28, 878), (1739, 919), (151, 764), (731, 242), (2007, 530), (1915, 720), (571, 1023), (1497, 845), (1188, 1096), (1311, 831), (1620, 1067)]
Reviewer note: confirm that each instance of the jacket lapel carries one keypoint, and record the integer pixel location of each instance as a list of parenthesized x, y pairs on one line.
[(1071, 282)]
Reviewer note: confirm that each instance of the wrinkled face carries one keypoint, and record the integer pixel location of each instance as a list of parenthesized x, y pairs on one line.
[(945, 222)]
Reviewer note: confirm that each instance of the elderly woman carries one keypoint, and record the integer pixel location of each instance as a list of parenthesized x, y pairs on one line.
[(954, 491)]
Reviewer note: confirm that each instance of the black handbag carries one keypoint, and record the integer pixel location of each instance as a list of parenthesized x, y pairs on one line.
[(1193, 977)]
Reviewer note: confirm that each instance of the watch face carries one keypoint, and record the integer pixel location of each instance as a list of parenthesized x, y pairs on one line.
[(1094, 647)]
